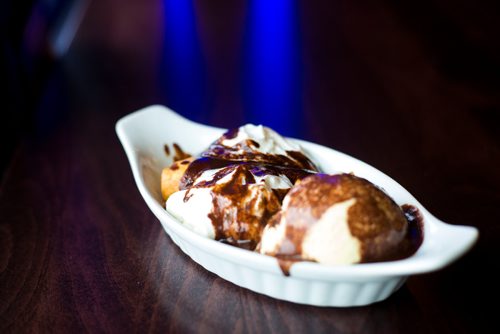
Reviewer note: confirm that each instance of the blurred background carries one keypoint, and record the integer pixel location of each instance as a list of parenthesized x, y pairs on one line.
[(405, 87), (410, 87), (292, 65), (287, 64)]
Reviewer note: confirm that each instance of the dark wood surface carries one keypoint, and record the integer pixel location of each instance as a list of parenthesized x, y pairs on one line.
[(411, 89)]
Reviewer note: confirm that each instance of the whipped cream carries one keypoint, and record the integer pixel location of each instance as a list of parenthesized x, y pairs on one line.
[(234, 187), (194, 212), (328, 240), (194, 206), (267, 140)]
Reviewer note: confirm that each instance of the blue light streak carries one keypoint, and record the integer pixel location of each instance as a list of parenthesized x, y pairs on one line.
[(183, 72), (272, 72)]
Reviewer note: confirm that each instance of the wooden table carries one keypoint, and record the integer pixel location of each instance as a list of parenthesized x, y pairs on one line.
[(411, 89)]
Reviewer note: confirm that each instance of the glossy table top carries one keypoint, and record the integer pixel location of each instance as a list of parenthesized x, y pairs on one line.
[(411, 89)]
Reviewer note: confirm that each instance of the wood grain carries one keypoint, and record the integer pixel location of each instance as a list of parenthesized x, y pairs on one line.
[(412, 89)]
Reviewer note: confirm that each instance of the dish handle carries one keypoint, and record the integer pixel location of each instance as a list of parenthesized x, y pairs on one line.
[(445, 243)]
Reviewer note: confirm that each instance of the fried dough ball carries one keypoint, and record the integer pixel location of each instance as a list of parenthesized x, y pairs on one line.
[(171, 177)]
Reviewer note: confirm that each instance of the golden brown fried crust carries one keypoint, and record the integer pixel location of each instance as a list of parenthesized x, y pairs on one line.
[(171, 177), (375, 219)]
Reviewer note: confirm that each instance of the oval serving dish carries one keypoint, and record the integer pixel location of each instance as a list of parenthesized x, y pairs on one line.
[(143, 135)]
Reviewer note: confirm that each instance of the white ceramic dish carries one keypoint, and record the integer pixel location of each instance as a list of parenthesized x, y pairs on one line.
[(143, 135)]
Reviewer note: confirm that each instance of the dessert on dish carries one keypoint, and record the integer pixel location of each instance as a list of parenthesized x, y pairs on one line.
[(145, 135), (254, 189), (336, 219)]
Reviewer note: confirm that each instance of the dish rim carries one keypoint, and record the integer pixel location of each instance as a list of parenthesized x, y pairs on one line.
[(420, 262)]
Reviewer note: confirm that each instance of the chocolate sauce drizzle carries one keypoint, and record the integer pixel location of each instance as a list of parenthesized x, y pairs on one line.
[(200, 165), (179, 154), (415, 234), (247, 151), (409, 246), (240, 210), (238, 216)]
